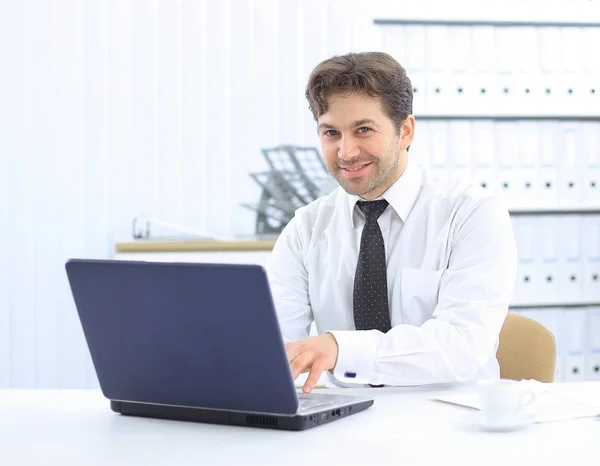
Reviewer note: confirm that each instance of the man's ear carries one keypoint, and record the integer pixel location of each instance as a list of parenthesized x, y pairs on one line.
[(407, 132)]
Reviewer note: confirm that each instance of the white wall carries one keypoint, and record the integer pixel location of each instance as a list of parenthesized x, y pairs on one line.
[(113, 108)]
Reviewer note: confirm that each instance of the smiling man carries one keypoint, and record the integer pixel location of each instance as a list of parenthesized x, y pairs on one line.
[(407, 277)]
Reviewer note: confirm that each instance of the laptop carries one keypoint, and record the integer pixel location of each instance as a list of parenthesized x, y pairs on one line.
[(193, 342)]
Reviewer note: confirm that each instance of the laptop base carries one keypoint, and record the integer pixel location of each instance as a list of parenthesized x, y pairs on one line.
[(237, 418)]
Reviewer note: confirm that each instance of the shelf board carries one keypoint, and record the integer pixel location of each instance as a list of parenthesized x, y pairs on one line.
[(482, 22), (556, 211), (510, 117), (556, 305)]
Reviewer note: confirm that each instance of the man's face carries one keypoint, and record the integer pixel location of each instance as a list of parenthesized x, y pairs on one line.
[(360, 144)]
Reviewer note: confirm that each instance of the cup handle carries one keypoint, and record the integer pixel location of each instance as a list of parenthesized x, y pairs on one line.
[(526, 399)]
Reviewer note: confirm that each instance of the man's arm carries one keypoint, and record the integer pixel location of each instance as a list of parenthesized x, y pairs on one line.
[(288, 279), (474, 295)]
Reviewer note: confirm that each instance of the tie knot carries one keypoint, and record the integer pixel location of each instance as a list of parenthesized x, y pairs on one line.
[(372, 209)]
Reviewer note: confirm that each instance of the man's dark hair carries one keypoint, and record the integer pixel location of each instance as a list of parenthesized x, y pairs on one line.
[(375, 74)]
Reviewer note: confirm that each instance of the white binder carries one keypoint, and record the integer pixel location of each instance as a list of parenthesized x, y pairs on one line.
[(483, 154), (548, 45), (527, 175), (438, 92), (461, 88), (505, 93), (574, 322), (590, 77), (591, 163), (412, 47), (570, 263), (529, 275), (593, 347), (419, 150), (569, 93), (548, 155), (437, 132), (570, 185), (591, 258), (484, 67), (548, 237), (527, 88), (460, 150), (506, 157)]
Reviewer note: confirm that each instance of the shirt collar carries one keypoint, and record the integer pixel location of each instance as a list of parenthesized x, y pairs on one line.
[(402, 195)]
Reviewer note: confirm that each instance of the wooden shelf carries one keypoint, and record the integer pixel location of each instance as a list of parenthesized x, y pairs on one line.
[(190, 245)]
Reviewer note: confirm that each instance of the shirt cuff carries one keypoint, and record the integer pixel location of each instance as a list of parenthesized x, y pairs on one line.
[(356, 356)]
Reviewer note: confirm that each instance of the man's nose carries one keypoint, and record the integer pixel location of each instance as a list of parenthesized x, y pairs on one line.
[(348, 148)]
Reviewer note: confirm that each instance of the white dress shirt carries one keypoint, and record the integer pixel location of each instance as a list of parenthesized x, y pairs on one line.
[(451, 268)]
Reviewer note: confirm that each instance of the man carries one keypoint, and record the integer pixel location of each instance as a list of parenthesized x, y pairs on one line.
[(408, 278)]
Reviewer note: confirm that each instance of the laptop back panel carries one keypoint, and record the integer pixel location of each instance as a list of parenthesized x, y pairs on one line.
[(161, 333)]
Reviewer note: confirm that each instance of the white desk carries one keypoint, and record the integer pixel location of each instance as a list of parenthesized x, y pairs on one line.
[(403, 427)]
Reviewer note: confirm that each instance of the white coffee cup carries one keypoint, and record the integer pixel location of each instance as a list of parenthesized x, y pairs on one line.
[(503, 400)]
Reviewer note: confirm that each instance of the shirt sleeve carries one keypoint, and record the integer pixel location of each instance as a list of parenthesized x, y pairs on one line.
[(288, 279), (461, 337)]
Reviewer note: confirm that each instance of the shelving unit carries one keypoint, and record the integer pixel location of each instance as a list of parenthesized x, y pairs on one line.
[(448, 87)]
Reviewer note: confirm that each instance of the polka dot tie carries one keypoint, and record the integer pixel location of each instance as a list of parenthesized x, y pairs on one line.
[(370, 281)]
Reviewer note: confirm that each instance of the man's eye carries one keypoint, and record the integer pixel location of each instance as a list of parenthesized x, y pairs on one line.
[(330, 132), (364, 129)]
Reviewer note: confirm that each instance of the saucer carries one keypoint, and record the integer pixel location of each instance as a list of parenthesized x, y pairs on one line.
[(506, 425)]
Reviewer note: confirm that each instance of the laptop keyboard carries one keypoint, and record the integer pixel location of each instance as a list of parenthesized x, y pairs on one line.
[(311, 401)]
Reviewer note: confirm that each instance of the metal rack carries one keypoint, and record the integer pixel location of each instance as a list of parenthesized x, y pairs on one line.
[(295, 179)]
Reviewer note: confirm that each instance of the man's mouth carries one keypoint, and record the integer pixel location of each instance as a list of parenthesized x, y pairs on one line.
[(355, 168)]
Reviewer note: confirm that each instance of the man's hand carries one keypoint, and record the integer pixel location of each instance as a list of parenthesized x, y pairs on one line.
[(314, 354)]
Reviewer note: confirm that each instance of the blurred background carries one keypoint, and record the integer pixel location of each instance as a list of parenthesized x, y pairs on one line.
[(190, 116)]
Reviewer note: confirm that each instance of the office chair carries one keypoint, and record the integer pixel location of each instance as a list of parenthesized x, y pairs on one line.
[(526, 350)]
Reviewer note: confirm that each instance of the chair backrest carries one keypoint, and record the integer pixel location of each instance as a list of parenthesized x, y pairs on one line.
[(526, 350)]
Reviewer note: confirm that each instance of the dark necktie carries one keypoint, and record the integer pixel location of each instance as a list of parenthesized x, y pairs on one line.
[(370, 281)]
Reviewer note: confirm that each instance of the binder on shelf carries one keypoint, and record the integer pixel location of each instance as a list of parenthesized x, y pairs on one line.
[(548, 45), (574, 324), (461, 93), (420, 151), (527, 176), (569, 246), (591, 163), (506, 158), (548, 238), (528, 283), (460, 149), (570, 183), (438, 92), (484, 68), (527, 88), (590, 91), (548, 155), (484, 167), (570, 50), (505, 93), (438, 147), (593, 347), (591, 257)]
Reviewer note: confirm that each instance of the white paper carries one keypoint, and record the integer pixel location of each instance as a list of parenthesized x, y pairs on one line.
[(552, 403)]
